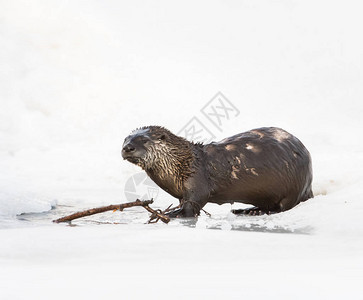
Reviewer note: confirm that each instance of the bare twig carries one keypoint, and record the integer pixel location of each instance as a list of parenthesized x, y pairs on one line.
[(170, 208), (102, 209), (157, 215)]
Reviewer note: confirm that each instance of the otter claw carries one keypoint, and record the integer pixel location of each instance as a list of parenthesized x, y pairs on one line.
[(254, 211), (174, 214)]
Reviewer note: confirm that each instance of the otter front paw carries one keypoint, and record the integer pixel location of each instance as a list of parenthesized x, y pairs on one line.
[(186, 211), (174, 214)]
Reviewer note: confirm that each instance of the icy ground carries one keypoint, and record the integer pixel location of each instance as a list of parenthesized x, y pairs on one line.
[(76, 77)]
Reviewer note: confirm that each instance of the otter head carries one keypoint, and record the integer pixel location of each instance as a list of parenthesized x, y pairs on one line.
[(144, 146), (165, 157)]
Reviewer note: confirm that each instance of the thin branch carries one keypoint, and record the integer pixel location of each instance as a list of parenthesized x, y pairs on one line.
[(102, 209), (157, 215)]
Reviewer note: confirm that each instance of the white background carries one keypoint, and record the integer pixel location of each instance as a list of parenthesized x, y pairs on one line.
[(77, 76)]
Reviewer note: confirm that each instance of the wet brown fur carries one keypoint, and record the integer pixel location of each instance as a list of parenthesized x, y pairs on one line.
[(266, 167)]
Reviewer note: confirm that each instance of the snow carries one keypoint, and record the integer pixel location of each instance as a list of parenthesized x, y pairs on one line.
[(131, 263), (77, 77)]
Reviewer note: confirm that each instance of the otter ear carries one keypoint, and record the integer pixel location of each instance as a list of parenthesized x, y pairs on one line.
[(162, 137)]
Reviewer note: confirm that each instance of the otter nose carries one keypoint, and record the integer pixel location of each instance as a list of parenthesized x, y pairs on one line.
[(128, 148)]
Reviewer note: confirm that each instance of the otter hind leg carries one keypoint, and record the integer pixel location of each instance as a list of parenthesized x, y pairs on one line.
[(308, 195), (253, 211)]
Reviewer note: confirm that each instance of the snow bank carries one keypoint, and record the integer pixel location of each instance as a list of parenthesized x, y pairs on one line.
[(76, 78), (23, 202)]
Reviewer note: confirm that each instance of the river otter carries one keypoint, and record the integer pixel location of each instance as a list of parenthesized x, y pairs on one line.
[(266, 167)]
